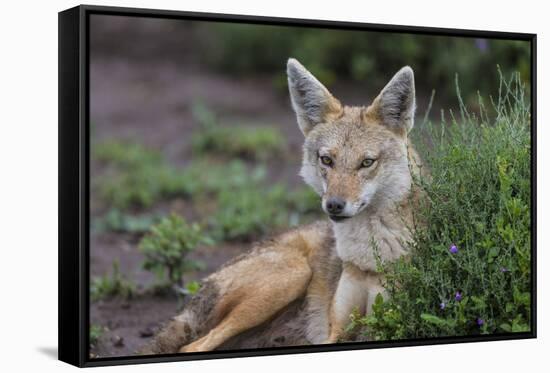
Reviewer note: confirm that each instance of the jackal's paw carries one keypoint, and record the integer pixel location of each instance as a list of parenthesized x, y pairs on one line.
[(191, 347), (185, 349)]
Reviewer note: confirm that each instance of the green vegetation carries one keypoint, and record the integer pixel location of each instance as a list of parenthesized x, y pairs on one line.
[(256, 210), (96, 331), (139, 177), (125, 154), (470, 268), (371, 57), (192, 287), (115, 284), (135, 176), (117, 221), (251, 142), (239, 141), (236, 200), (205, 178), (304, 201), (249, 212), (166, 246)]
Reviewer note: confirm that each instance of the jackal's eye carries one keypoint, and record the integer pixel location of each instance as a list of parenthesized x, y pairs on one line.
[(327, 161), (367, 162)]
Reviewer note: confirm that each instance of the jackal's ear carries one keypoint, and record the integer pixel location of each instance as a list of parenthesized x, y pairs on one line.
[(395, 105), (311, 101)]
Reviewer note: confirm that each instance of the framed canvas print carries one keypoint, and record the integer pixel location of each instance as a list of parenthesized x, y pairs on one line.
[(235, 186)]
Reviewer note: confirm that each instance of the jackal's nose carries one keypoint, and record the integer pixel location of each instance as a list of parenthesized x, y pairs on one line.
[(335, 205)]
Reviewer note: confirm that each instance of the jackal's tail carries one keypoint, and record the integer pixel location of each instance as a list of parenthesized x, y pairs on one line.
[(195, 319)]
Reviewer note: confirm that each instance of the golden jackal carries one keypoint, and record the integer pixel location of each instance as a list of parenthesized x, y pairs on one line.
[(301, 287)]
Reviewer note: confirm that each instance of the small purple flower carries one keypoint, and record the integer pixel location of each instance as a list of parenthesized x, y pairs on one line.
[(458, 296), (480, 321), (482, 44), (442, 305), (504, 269), (453, 249)]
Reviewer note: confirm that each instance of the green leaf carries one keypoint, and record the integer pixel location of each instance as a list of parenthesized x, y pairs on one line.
[(432, 319), (520, 327), (493, 253), (193, 287)]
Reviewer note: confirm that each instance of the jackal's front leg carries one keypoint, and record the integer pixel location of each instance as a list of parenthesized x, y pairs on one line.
[(356, 289), (350, 293)]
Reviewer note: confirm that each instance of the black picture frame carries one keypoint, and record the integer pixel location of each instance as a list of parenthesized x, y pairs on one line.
[(74, 183)]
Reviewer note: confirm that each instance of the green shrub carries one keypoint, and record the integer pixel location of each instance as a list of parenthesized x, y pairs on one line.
[(207, 178), (470, 268), (252, 142), (192, 288), (115, 284), (166, 247), (141, 177), (240, 141), (136, 176), (125, 154), (249, 212), (117, 221), (243, 204), (360, 56), (304, 201), (96, 331)]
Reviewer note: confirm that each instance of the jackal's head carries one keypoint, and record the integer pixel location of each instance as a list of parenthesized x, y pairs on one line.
[(354, 157)]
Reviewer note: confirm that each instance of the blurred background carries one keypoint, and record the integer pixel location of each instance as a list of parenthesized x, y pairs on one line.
[(195, 150)]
